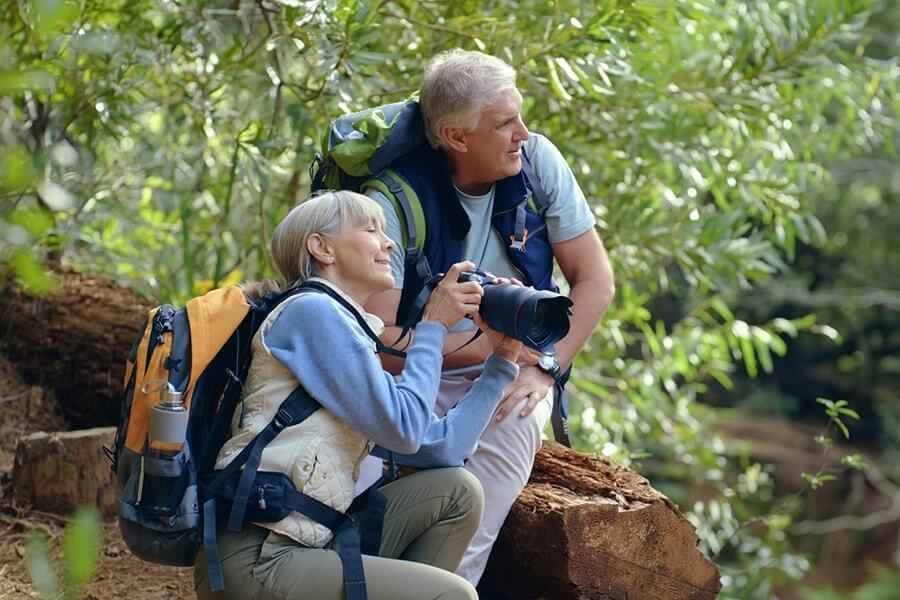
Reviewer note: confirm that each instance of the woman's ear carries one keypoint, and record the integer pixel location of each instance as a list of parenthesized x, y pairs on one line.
[(320, 248)]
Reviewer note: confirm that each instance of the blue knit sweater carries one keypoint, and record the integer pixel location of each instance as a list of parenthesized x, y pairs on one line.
[(322, 344)]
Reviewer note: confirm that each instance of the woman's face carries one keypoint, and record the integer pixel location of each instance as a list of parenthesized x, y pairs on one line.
[(362, 261)]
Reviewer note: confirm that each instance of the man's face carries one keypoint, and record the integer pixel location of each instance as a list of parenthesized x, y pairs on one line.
[(494, 147)]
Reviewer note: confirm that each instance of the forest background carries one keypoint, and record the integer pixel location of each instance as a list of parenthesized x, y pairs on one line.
[(740, 157)]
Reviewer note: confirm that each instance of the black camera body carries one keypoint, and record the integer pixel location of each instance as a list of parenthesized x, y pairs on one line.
[(537, 318), (479, 276)]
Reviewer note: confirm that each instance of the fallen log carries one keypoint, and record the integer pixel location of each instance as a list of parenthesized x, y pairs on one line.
[(584, 527), (74, 342)]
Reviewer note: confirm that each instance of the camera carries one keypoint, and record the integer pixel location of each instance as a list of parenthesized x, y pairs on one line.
[(537, 318)]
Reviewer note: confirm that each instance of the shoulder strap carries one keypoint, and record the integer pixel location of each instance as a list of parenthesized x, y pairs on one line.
[(406, 205), (534, 182), (379, 345)]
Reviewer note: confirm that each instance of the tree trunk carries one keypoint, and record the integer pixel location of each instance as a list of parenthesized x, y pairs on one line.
[(74, 342), (60, 471), (587, 528)]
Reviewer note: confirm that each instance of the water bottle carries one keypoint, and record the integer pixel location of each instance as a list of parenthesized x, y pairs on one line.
[(168, 417)]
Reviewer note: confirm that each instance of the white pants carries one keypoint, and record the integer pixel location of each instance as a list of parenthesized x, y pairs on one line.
[(502, 463)]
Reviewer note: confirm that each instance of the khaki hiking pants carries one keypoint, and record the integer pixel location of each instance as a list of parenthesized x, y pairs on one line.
[(431, 517)]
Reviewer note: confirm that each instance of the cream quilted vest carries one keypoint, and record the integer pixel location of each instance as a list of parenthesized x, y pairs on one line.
[(321, 455)]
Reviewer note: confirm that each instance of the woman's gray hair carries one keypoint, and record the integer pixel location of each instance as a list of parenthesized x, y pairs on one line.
[(458, 86), (324, 214)]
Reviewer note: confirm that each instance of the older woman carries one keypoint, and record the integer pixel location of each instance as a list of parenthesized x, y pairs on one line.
[(315, 340)]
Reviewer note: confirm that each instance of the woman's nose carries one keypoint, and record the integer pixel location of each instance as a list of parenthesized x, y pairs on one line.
[(386, 242)]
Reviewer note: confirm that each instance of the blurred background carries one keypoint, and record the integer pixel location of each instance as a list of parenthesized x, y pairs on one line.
[(740, 157)]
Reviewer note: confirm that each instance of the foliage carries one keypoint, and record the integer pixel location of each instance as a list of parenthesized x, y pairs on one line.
[(884, 586), (851, 281), (80, 557), (160, 141)]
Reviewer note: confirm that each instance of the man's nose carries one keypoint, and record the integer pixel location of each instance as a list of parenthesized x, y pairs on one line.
[(522, 133)]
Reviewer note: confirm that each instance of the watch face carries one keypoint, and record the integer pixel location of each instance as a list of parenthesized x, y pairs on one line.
[(548, 362)]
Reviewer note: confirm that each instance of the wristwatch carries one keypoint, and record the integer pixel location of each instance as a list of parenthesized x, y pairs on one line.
[(548, 363)]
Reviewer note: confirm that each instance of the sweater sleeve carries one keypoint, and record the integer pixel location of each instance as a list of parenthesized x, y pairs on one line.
[(335, 362), (452, 439)]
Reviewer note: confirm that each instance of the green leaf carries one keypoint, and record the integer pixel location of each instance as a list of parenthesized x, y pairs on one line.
[(749, 356), (39, 568), (842, 427), (81, 548), (31, 273), (555, 84), (849, 412), (16, 169), (35, 220), (50, 16)]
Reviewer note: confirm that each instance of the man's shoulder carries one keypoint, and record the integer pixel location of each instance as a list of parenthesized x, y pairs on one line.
[(537, 143), (543, 153)]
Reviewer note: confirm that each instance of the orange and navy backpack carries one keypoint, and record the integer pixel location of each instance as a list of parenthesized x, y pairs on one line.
[(183, 384)]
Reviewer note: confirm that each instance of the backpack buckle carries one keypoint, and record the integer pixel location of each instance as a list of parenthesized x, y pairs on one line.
[(282, 419)]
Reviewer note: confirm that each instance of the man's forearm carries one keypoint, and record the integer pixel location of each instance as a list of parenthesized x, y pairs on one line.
[(585, 264), (590, 300)]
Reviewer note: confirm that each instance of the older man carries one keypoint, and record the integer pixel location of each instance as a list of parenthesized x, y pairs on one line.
[(469, 183)]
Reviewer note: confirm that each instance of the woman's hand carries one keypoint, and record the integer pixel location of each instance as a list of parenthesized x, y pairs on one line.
[(451, 301)]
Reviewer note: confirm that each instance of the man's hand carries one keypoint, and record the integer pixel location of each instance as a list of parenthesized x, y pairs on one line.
[(533, 384), (529, 356)]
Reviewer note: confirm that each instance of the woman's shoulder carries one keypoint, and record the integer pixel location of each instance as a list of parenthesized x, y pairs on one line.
[(309, 306)]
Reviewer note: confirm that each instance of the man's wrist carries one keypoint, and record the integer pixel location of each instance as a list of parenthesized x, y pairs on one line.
[(549, 364)]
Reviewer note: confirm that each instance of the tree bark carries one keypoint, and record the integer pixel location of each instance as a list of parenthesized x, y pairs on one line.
[(587, 528), (74, 342), (60, 471)]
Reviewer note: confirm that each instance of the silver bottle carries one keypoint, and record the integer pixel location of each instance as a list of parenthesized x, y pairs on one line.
[(168, 417)]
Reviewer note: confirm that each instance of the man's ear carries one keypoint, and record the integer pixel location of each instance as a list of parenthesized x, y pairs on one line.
[(456, 138), (320, 248)]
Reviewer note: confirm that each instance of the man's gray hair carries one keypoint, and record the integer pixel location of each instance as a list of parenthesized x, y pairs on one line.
[(458, 86)]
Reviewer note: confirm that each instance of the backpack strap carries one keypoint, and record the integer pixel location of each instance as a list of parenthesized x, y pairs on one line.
[(541, 201), (379, 345), (296, 408), (559, 416), (534, 183), (412, 218)]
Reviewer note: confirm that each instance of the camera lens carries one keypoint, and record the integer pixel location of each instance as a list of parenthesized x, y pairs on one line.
[(537, 318)]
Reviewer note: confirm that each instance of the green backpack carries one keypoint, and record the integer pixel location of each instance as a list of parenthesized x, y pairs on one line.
[(356, 152)]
